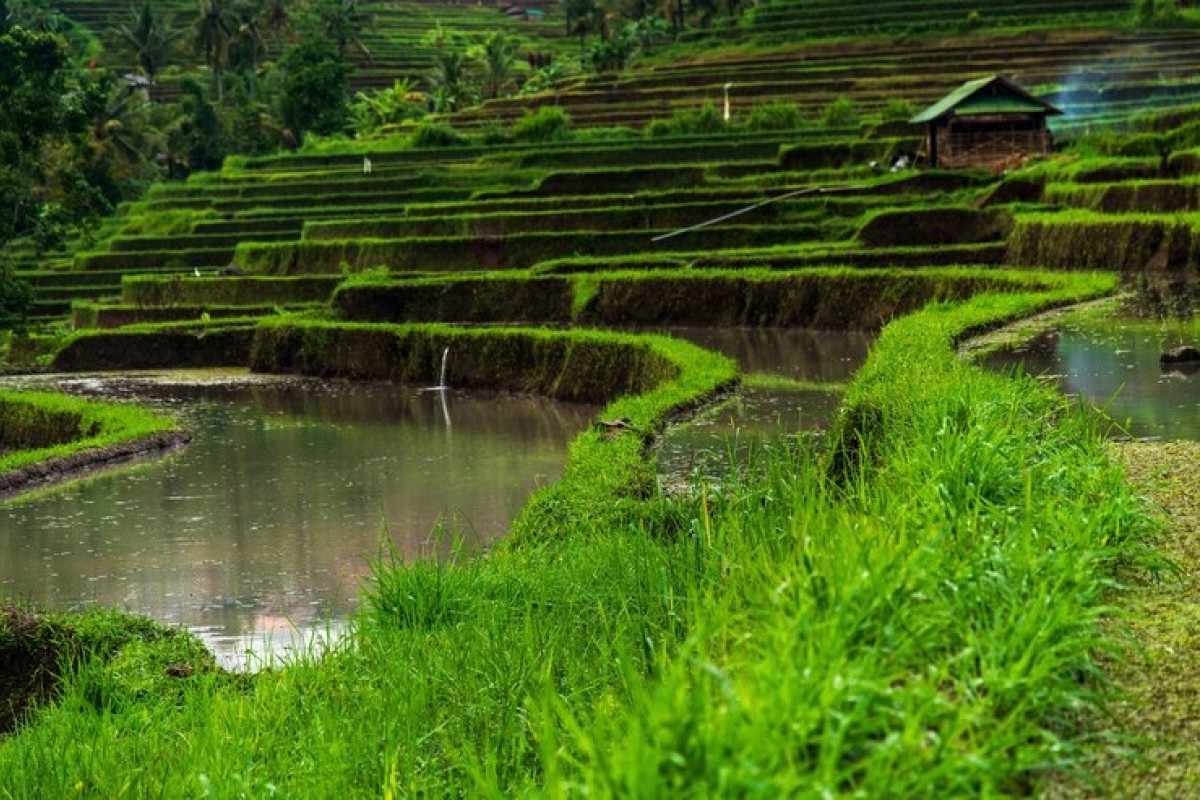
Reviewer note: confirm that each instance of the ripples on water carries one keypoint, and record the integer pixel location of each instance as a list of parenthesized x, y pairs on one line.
[(1114, 363), (259, 533), (716, 441)]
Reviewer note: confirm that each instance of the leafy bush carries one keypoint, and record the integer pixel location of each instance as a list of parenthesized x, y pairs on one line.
[(606, 133), (775, 117), (547, 124), (545, 77), (839, 114), (435, 134), (898, 111), (491, 133), (374, 109), (973, 21), (688, 122)]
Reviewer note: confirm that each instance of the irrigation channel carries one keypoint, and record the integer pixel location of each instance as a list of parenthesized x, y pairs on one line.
[(257, 536), (1113, 361), (813, 366)]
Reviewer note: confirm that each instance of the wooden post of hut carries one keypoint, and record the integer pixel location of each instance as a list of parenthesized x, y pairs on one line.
[(990, 123)]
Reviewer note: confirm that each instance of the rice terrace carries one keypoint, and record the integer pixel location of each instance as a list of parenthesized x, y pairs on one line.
[(591, 398)]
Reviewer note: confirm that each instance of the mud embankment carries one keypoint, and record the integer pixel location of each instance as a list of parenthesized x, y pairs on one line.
[(76, 465)]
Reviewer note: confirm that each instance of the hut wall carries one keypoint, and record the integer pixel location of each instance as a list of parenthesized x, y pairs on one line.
[(974, 145)]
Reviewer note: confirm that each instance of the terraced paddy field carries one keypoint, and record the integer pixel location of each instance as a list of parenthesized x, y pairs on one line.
[(1094, 74), (826, 18), (394, 35), (917, 601)]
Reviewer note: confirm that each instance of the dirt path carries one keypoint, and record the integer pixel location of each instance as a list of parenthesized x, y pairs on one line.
[(1161, 679)]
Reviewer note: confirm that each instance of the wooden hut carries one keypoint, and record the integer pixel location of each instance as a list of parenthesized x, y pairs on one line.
[(985, 123)]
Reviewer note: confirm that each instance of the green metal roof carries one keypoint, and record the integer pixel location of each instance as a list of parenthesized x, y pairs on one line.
[(993, 95)]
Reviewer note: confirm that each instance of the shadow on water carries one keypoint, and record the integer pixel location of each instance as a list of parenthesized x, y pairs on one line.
[(1113, 362), (262, 529)]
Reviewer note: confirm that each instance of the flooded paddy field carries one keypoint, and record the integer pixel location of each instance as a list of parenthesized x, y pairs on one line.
[(812, 367), (262, 530), (1112, 360)]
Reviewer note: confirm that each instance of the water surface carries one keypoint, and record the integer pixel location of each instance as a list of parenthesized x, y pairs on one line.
[(1114, 363), (709, 444), (267, 522)]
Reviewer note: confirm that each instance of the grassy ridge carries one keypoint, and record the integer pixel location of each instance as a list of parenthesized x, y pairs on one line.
[(927, 627), (577, 366), (37, 426)]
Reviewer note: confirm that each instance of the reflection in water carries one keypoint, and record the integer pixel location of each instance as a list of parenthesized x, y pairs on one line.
[(1114, 364), (270, 517), (796, 353), (710, 444)]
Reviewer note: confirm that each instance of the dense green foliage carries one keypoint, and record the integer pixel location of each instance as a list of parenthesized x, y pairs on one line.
[(313, 91), (33, 110), (16, 298)]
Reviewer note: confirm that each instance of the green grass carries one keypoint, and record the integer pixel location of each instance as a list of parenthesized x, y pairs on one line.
[(767, 380), (917, 610), (928, 625), (38, 426)]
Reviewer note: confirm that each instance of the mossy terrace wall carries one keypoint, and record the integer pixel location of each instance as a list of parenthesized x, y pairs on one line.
[(148, 291), (577, 367), (518, 251), (30, 422), (193, 344), (109, 316), (1126, 243), (828, 299)]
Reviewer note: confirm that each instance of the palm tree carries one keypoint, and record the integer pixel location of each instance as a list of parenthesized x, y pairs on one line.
[(451, 78), (150, 39), (496, 54), (342, 23), (247, 45), (212, 31), (451, 81), (121, 141), (277, 20), (581, 18)]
